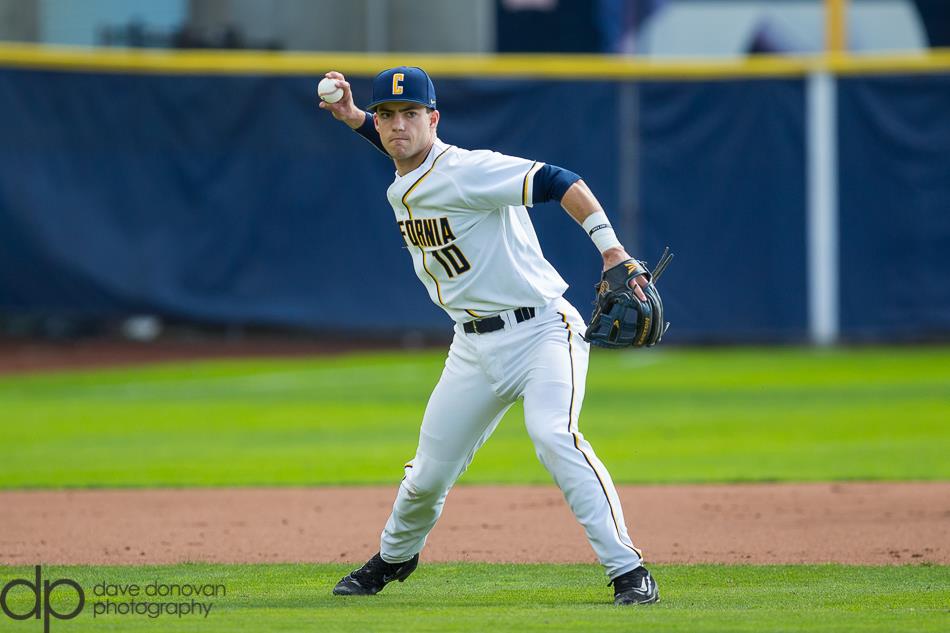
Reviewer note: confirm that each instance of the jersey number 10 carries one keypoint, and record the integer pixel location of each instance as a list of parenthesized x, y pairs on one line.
[(452, 260)]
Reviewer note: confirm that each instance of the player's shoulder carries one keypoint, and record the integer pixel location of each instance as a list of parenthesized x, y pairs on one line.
[(461, 158), (455, 154), (474, 155), (452, 158)]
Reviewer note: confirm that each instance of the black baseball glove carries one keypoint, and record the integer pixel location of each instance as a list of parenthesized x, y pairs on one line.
[(620, 319)]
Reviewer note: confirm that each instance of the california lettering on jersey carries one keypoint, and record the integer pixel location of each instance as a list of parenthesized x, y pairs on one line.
[(426, 232)]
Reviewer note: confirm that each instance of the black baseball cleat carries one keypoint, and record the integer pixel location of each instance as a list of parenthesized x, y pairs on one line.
[(635, 587), (373, 576)]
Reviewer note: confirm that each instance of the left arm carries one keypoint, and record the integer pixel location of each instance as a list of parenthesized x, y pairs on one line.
[(507, 180), (580, 203)]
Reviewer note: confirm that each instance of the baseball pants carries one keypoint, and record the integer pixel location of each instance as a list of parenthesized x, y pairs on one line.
[(544, 361)]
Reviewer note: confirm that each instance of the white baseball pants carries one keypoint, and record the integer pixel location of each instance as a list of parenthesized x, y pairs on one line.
[(544, 361)]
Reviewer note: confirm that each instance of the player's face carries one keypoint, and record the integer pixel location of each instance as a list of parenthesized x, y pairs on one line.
[(406, 129)]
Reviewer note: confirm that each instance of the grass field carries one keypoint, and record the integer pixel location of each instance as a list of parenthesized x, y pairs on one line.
[(656, 416), (660, 417), (480, 597)]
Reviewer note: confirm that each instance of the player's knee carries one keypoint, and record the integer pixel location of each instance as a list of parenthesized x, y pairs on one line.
[(427, 480), (549, 444)]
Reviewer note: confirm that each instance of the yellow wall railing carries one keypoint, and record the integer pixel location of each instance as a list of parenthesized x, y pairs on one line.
[(573, 67)]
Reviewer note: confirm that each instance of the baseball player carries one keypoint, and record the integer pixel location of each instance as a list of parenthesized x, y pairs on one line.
[(463, 217)]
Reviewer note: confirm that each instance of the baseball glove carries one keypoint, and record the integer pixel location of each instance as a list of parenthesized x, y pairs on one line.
[(620, 319)]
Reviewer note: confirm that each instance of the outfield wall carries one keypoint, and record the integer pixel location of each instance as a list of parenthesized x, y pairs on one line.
[(207, 186)]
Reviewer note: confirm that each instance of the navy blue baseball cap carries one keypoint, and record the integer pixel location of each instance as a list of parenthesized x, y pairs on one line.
[(407, 84)]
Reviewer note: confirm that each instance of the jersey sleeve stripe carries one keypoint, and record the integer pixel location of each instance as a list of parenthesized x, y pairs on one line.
[(527, 189)]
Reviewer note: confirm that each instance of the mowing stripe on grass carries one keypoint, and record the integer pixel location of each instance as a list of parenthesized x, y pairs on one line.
[(653, 417)]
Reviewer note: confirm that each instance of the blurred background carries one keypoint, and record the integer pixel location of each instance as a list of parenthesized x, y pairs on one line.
[(642, 27), (795, 154)]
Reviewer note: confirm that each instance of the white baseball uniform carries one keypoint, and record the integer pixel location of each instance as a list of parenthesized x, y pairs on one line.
[(462, 214)]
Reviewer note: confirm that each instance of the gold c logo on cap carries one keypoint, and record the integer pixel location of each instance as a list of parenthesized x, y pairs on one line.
[(397, 83)]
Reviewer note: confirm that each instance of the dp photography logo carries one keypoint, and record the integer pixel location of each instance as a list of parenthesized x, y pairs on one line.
[(42, 592), (151, 599)]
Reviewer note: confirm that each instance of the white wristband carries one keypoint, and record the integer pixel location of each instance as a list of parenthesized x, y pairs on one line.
[(598, 228)]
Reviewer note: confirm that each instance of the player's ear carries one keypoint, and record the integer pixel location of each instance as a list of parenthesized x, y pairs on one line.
[(433, 118), (376, 121)]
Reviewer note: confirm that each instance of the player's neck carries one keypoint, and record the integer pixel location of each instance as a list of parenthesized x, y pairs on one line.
[(406, 165)]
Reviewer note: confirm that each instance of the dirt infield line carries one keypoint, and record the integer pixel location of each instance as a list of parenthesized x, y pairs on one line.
[(20, 357), (862, 523)]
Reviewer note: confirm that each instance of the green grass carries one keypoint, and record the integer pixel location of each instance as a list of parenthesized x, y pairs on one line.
[(653, 416), (483, 597)]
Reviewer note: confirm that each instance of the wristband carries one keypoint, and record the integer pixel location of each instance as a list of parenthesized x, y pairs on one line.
[(599, 230)]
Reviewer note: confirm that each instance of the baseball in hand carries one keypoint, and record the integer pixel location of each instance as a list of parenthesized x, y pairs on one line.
[(328, 91)]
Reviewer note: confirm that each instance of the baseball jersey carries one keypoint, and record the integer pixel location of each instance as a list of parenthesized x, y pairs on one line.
[(463, 217)]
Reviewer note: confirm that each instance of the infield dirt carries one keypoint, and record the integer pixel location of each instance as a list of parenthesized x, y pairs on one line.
[(863, 523)]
